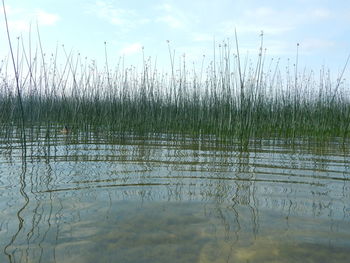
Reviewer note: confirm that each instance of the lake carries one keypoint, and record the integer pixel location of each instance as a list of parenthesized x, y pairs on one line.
[(93, 198)]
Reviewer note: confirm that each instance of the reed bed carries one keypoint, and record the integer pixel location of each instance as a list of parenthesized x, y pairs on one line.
[(225, 97)]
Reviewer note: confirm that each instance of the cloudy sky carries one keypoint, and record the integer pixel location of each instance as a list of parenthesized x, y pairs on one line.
[(322, 27)]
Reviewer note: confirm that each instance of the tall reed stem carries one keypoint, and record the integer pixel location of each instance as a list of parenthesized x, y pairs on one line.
[(20, 102)]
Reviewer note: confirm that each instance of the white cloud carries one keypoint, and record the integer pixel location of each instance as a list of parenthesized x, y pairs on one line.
[(311, 44), (174, 17), (270, 21), (124, 18), (171, 21), (105, 10), (20, 19), (45, 18), (131, 49), (260, 12), (200, 37), (18, 25), (279, 47), (321, 13)]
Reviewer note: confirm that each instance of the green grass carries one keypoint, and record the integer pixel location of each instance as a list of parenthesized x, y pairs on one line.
[(225, 99)]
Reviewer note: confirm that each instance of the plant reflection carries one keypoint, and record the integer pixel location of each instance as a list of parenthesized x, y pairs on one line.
[(193, 202)]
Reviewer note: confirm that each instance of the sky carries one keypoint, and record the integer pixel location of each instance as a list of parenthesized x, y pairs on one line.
[(133, 29)]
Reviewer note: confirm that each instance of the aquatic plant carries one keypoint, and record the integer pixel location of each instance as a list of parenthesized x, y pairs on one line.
[(226, 99)]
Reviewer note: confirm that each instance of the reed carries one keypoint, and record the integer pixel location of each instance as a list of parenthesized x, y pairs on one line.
[(224, 99)]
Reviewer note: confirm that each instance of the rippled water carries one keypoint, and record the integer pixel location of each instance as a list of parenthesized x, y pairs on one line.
[(130, 199)]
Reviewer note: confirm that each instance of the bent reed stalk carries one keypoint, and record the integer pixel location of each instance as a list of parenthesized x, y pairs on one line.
[(226, 100)]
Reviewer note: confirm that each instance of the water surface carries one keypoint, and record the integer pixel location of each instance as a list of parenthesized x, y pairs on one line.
[(172, 199)]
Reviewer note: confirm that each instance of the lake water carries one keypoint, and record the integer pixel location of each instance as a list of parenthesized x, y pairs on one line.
[(129, 199)]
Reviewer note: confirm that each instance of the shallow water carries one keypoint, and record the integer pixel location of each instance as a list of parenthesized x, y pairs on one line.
[(131, 199)]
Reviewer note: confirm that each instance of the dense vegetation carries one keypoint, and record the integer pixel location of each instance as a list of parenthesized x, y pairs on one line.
[(228, 98)]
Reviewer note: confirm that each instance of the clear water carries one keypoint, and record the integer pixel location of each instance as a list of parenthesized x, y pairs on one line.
[(90, 199)]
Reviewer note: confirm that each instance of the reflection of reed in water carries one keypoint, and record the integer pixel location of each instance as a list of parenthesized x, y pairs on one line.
[(234, 188), (20, 217)]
